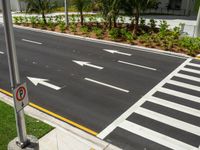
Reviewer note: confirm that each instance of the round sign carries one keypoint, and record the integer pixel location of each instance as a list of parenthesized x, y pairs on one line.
[(21, 93)]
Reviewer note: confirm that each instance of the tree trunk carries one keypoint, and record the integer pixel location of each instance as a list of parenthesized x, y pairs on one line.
[(115, 22), (81, 13), (137, 17), (110, 23), (44, 18)]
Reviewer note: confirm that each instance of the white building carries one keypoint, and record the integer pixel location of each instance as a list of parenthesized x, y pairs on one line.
[(14, 5), (182, 7), (177, 7)]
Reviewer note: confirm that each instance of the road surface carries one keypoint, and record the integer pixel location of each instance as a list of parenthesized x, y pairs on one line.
[(134, 99)]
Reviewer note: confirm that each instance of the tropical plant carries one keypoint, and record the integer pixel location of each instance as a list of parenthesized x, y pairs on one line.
[(134, 8), (62, 26), (81, 5), (40, 6), (114, 33), (98, 32)]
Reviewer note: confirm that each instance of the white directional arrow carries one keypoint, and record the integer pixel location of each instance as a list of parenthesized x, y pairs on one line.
[(117, 52), (1, 52), (44, 82), (83, 63)]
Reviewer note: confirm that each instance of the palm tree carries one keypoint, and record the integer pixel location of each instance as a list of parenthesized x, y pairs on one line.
[(134, 8), (81, 5), (110, 10), (40, 6)]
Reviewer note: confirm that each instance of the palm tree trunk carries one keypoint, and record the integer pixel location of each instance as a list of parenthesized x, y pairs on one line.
[(137, 16), (81, 13)]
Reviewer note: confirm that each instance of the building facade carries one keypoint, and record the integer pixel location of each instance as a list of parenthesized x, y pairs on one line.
[(176, 7), (186, 7)]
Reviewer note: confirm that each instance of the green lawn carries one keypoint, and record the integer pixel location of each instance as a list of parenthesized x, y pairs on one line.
[(8, 127)]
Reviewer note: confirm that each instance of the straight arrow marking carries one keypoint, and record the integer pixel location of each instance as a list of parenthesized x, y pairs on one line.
[(136, 65), (117, 52), (44, 82), (1, 52), (83, 63), (107, 85)]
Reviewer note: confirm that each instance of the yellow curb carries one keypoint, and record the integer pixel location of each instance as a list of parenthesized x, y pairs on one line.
[(55, 115)]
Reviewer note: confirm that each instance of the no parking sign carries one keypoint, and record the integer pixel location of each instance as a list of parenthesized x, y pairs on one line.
[(21, 97)]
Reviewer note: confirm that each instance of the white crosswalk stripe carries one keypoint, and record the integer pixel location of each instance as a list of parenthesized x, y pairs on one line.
[(168, 120), (185, 85), (175, 106), (180, 94), (194, 65), (188, 77), (191, 70), (190, 84), (155, 136)]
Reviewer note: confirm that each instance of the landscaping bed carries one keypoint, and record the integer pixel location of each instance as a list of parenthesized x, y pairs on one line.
[(148, 35), (8, 126)]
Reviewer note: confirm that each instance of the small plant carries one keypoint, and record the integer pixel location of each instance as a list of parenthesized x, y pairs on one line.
[(42, 23), (142, 22), (51, 24), (163, 28), (33, 21), (16, 20), (114, 33), (21, 20), (191, 44), (152, 24), (84, 29), (62, 26), (98, 32), (72, 27), (26, 21)]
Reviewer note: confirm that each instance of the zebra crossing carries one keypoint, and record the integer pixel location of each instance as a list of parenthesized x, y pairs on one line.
[(173, 106)]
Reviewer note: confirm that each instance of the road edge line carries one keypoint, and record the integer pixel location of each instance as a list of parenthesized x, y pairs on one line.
[(55, 115)]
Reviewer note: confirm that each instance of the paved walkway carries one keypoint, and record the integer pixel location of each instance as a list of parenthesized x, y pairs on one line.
[(64, 136)]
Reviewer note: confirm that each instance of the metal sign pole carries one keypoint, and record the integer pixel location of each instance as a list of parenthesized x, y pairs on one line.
[(13, 68), (66, 13)]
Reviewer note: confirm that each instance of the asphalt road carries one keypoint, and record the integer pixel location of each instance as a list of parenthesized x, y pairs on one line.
[(106, 88)]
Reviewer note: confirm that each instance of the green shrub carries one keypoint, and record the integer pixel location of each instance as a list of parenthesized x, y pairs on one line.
[(16, 20), (163, 28), (72, 27), (191, 44), (41, 23), (98, 32), (33, 21), (152, 24), (114, 33), (21, 20), (62, 26), (84, 29), (51, 24)]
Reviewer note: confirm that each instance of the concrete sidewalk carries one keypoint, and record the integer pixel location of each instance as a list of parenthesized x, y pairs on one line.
[(64, 136)]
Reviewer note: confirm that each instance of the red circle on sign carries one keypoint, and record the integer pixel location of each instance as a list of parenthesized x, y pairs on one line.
[(21, 93)]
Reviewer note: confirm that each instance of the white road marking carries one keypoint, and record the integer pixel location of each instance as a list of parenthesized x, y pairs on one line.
[(136, 65), (107, 85), (155, 136), (117, 52), (194, 65), (25, 40), (184, 76), (44, 82), (191, 70), (83, 63), (169, 121), (175, 106), (134, 107), (180, 94), (185, 85), (1, 52)]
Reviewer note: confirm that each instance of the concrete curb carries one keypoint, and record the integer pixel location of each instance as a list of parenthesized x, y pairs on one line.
[(85, 138), (123, 45)]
